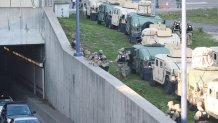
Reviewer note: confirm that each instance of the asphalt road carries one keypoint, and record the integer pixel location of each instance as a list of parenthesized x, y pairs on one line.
[(18, 92), (192, 4)]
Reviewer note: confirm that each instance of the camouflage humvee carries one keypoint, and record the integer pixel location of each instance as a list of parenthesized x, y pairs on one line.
[(167, 66), (142, 57), (118, 17), (136, 22), (92, 9), (105, 11), (201, 82)]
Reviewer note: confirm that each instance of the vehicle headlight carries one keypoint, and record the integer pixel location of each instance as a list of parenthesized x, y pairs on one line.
[(8, 120)]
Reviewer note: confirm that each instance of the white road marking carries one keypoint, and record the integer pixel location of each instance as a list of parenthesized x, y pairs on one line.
[(192, 3)]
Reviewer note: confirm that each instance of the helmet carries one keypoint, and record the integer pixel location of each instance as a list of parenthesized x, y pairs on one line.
[(100, 51)]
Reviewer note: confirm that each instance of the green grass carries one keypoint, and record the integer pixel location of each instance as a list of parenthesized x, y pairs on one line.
[(95, 37), (208, 16)]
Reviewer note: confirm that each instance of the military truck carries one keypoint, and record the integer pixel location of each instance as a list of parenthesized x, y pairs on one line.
[(105, 11), (142, 57), (136, 22), (159, 33), (118, 17), (166, 67), (92, 9), (202, 82)]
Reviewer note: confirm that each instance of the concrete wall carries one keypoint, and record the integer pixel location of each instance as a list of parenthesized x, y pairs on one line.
[(20, 26), (19, 3), (85, 93)]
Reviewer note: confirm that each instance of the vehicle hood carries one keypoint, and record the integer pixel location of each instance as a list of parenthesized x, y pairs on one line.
[(139, 20)]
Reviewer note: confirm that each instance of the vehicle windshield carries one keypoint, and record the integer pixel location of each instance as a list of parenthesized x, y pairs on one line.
[(27, 121), (18, 109)]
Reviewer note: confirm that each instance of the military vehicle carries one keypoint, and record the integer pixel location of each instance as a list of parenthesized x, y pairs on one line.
[(136, 22), (202, 82), (105, 11), (159, 33), (118, 17), (92, 9), (167, 66), (142, 57)]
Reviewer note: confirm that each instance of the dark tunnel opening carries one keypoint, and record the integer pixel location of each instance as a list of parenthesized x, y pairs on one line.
[(22, 71)]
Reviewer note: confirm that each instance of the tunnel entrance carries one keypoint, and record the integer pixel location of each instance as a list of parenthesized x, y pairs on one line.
[(22, 65)]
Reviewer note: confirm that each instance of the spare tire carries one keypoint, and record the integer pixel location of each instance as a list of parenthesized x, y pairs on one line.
[(146, 25)]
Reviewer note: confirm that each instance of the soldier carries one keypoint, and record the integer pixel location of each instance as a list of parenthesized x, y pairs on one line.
[(189, 34), (100, 55), (86, 53), (178, 3), (104, 64), (174, 111), (121, 60), (176, 27)]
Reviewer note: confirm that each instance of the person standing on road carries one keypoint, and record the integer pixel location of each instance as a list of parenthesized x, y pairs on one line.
[(73, 3), (178, 4), (189, 34), (121, 60)]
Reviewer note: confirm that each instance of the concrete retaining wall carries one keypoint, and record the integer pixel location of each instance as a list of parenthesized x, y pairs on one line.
[(85, 93)]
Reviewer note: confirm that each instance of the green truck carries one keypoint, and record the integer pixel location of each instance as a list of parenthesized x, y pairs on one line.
[(138, 22), (142, 58), (104, 13)]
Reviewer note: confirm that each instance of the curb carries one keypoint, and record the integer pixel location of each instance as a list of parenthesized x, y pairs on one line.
[(47, 113)]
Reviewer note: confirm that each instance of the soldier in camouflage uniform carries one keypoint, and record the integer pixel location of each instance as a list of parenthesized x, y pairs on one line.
[(189, 34), (103, 63), (121, 60), (176, 28)]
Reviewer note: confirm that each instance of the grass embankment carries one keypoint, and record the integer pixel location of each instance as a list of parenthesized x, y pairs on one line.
[(95, 37), (207, 16)]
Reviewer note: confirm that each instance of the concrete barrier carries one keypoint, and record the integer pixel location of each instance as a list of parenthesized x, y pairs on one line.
[(85, 93)]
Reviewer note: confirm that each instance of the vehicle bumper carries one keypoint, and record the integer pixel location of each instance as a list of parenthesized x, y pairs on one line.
[(135, 37)]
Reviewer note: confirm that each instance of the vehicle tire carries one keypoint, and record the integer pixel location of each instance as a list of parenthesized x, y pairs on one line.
[(87, 16), (119, 28), (110, 26), (133, 71), (142, 74), (98, 22), (168, 86), (130, 38), (178, 98), (192, 107), (152, 83)]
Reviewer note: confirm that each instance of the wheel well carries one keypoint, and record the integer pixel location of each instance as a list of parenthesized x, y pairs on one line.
[(167, 77), (146, 25)]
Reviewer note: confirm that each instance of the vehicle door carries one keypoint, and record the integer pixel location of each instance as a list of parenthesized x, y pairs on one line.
[(212, 99), (114, 16), (117, 18), (158, 70), (128, 24)]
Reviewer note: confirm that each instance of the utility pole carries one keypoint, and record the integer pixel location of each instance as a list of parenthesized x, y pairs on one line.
[(184, 66), (78, 52)]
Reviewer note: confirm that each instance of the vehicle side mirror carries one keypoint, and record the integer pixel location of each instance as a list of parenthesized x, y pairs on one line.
[(34, 112)]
